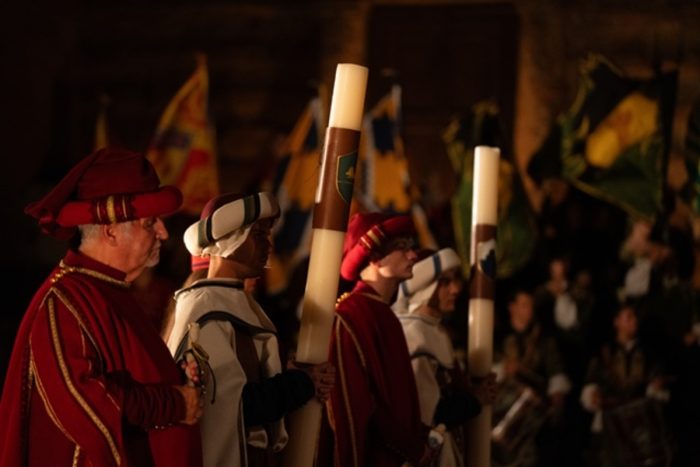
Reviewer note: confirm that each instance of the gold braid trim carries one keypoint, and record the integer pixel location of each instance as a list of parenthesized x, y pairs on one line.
[(63, 299), (347, 295), (354, 340), (88, 272), (86, 332), (343, 384), (111, 213), (342, 298), (47, 405), (72, 389), (124, 211), (366, 243), (375, 238), (76, 456)]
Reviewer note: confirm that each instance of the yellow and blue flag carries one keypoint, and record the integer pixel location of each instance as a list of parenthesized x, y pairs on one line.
[(294, 185), (383, 182)]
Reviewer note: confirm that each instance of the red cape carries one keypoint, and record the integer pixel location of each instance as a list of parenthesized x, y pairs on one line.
[(88, 370), (373, 408)]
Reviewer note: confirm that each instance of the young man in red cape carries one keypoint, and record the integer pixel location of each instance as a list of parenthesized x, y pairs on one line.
[(89, 381), (373, 409)]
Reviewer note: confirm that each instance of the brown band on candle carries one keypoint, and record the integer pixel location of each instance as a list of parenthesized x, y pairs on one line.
[(339, 159), (483, 271)]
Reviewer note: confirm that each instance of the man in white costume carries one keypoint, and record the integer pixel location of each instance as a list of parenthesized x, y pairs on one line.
[(247, 393), (443, 391)]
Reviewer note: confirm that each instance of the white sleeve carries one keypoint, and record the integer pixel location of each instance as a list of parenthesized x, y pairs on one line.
[(428, 389)]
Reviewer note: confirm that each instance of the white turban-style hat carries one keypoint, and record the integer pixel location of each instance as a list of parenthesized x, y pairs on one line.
[(416, 291), (226, 221)]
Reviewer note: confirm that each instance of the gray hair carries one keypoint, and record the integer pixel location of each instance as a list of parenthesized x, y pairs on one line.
[(91, 232)]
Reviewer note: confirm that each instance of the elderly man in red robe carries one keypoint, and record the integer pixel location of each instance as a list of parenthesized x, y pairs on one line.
[(89, 381), (373, 409)]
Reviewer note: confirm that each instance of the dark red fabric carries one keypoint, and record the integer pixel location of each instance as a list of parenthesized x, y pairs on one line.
[(116, 170), (161, 202), (103, 380), (356, 253), (108, 171), (373, 407)]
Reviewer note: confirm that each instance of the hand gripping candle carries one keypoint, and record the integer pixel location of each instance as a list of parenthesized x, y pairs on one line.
[(330, 220), (481, 293)]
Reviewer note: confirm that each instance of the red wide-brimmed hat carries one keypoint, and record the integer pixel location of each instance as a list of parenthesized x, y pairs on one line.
[(110, 185), (368, 233)]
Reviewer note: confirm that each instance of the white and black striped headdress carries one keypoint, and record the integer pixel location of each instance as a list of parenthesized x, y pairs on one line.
[(225, 215), (417, 290)]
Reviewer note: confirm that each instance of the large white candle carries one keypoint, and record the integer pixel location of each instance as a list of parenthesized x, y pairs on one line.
[(481, 293), (348, 101), (333, 197), (485, 197)]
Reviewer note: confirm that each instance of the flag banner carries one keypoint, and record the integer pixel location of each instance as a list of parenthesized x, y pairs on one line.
[(516, 230), (183, 150), (545, 163), (616, 136), (383, 182), (692, 156), (294, 184)]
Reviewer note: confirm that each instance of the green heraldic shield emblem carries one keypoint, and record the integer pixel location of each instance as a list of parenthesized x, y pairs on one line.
[(345, 175)]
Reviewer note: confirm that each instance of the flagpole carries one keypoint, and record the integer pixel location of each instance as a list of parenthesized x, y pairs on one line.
[(330, 219), (481, 294)]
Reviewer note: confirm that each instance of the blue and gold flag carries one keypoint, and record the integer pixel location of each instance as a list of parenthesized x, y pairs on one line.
[(516, 230), (383, 182), (294, 184), (183, 150)]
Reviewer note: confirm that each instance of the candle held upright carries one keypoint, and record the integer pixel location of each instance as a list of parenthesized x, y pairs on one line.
[(330, 220), (481, 293)]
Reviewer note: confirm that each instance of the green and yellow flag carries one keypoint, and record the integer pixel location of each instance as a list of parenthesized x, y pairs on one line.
[(183, 150), (615, 137), (516, 228), (692, 156)]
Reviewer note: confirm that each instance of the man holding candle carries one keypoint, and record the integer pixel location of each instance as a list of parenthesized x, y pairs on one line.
[(249, 394), (443, 389), (374, 410)]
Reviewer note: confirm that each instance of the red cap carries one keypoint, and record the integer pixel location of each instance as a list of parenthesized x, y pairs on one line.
[(110, 185), (197, 263), (368, 233)]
